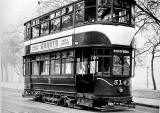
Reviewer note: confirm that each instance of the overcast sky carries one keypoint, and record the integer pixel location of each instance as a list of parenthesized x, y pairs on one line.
[(14, 12)]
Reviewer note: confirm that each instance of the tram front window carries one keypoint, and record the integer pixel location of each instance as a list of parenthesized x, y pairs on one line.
[(121, 65)]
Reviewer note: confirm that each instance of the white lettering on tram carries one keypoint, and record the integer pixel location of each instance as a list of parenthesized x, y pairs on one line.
[(53, 44)]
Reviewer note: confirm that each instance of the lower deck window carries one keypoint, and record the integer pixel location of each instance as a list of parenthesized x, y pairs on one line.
[(67, 66), (26, 67), (55, 67), (44, 67), (62, 63), (35, 68)]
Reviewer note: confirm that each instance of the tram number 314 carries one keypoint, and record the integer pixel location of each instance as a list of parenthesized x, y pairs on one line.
[(121, 82)]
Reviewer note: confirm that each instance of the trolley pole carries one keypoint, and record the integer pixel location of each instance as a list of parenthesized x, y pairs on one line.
[(147, 75)]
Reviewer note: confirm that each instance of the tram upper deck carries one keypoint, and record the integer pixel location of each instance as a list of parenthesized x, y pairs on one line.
[(114, 18)]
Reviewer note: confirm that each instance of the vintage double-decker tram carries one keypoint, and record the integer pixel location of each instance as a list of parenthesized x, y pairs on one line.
[(81, 54)]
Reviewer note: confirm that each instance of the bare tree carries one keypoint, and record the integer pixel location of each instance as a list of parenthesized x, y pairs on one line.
[(151, 47), (148, 22), (11, 53)]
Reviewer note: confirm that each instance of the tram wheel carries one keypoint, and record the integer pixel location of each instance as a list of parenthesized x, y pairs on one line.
[(63, 102)]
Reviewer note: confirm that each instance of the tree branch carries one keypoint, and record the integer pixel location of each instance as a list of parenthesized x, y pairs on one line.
[(148, 13)]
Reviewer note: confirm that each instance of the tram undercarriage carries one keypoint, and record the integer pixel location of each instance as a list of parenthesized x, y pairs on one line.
[(81, 100)]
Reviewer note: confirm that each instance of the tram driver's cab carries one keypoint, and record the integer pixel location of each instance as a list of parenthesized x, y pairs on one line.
[(102, 63), (90, 63)]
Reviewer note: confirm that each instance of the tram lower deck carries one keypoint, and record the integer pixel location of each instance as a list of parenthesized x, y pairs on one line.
[(90, 76)]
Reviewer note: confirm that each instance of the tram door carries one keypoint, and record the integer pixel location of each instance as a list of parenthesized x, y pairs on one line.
[(84, 75)]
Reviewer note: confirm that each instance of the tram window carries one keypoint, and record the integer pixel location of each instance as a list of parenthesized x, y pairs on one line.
[(52, 67), (81, 66), (103, 61), (70, 9), (79, 13), (121, 65), (67, 21), (90, 14), (44, 67), (56, 64), (126, 65), (28, 31), (121, 15), (79, 17), (35, 68), (90, 10), (100, 64), (106, 68), (104, 11), (45, 28), (26, 67), (57, 67), (103, 64), (35, 31), (55, 25), (67, 66), (93, 65), (104, 14)]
